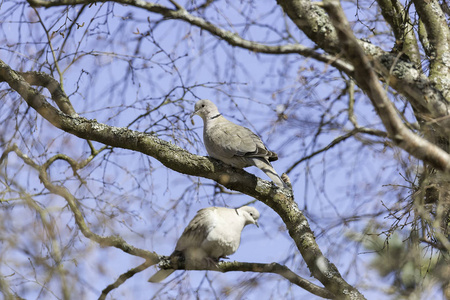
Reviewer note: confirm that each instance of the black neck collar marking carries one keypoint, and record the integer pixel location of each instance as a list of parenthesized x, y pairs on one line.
[(216, 116)]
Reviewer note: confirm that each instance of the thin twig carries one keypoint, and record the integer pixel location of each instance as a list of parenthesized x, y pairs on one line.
[(124, 277)]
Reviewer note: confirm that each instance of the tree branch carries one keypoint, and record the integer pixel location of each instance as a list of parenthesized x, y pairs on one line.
[(233, 266), (408, 81), (230, 37), (401, 75), (314, 22), (438, 34), (112, 241), (397, 17), (55, 89), (124, 277), (368, 81), (337, 141)]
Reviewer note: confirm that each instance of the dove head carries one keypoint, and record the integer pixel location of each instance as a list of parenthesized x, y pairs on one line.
[(206, 109), (250, 214)]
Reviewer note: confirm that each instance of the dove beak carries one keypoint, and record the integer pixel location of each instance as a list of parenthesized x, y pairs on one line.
[(195, 112), (256, 223)]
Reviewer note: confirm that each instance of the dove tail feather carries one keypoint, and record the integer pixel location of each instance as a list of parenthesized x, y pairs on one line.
[(267, 168), (161, 275), (272, 156)]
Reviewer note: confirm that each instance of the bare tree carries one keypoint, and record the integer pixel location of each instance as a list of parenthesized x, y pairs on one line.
[(99, 164)]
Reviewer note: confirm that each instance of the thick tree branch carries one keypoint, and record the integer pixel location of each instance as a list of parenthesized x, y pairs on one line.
[(438, 35), (175, 158), (397, 17), (314, 22), (423, 38), (410, 82), (368, 81)]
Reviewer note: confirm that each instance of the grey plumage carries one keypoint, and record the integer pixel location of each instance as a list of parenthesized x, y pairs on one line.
[(233, 144), (213, 233)]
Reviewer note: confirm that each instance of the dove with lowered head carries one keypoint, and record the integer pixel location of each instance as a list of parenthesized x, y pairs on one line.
[(213, 233)]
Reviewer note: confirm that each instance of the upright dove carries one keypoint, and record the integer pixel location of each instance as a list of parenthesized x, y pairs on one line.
[(233, 144), (213, 233)]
